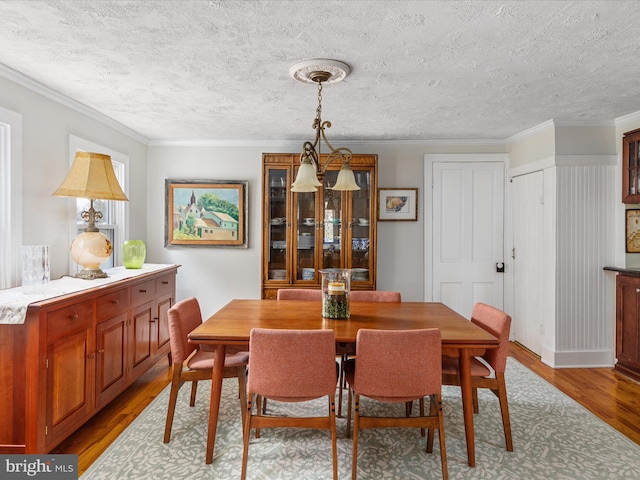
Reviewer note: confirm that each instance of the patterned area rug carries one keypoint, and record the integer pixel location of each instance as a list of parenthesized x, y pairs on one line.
[(554, 438)]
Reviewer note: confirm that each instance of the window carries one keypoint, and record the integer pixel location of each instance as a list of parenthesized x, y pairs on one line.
[(10, 197), (115, 219)]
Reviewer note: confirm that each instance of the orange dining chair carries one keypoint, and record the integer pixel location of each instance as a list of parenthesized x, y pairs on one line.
[(397, 366), (299, 294), (291, 366), (498, 324), (190, 363), (346, 350)]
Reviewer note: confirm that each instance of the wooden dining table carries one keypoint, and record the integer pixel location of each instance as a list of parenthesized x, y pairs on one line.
[(232, 324)]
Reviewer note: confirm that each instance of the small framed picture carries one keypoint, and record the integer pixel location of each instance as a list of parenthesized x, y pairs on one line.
[(398, 204), (633, 231), (206, 213)]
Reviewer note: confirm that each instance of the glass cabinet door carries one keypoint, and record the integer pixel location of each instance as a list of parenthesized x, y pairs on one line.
[(305, 237), (332, 228), (361, 221), (276, 210)]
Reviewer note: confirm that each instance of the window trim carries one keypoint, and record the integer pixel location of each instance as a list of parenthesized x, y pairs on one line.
[(10, 197), (121, 209)]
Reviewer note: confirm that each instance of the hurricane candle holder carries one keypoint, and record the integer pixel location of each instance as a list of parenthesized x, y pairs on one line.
[(336, 287)]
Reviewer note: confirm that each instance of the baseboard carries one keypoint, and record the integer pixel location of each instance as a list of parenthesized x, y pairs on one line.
[(584, 359)]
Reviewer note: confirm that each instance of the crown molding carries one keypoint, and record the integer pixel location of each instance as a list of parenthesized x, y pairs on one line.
[(298, 143), (35, 86), (632, 117)]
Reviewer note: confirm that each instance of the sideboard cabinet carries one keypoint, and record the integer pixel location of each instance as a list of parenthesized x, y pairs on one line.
[(75, 353), (305, 232), (628, 325), (631, 167)]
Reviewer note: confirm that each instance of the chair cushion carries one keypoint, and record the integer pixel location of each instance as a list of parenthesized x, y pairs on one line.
[(450, 366), (202, 360)]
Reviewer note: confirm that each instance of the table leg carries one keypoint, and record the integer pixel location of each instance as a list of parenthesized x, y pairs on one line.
[(467, 403), (214, 406)]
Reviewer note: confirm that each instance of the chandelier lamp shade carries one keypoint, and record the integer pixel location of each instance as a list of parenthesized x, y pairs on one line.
[(322, 71), (92, 177)]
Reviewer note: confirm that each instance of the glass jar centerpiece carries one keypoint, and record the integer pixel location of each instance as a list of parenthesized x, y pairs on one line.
[(336, 286)]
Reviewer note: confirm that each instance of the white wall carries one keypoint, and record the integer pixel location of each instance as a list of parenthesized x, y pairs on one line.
[(46, 127), (216, 275)]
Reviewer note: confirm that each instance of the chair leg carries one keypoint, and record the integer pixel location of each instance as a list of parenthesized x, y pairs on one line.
[(476, 407), (504, 409), (260, 410), (242, 389), (173, 397), (348, 412), (437, 402), (356, 428), (247, 433), (334, 440), (194, 389), (422, 432), (432, 413), (342, 383)]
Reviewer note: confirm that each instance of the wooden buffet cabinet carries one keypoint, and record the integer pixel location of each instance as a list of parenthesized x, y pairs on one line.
[(75, 353), (628, 324), (309, 231)]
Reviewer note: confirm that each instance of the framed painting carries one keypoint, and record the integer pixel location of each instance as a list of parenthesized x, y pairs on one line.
[(633, 230), (206, 213), (399, 204)]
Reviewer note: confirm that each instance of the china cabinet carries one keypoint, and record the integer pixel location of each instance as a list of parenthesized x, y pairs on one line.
[(305, 232), (631, 167)]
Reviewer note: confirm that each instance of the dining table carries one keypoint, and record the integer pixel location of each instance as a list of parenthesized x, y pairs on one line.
[(232, 324)]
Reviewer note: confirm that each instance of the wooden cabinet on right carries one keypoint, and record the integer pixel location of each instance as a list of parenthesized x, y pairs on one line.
[(631, 167), (628, 325)]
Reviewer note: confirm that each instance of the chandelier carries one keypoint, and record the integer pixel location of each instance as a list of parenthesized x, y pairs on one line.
[(322, 71)]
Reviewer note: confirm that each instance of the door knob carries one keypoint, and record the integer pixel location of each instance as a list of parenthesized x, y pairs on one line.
[(500, 267)]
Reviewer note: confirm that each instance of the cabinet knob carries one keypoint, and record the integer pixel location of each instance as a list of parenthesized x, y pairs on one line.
[(637, 290), (74, 317), (101, 351), (114, 302)]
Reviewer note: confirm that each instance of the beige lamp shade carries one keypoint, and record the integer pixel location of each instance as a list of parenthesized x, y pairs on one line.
[(91, 176)]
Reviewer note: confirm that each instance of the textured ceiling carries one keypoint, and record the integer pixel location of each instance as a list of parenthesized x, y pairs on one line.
[(420, 70)]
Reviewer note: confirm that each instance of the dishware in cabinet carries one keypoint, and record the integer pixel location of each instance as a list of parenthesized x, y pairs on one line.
[(276, 224)]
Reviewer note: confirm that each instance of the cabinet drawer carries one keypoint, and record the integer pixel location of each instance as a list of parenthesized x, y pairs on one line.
[(65, 320), (165, 284), (112, 304), (143, 292)]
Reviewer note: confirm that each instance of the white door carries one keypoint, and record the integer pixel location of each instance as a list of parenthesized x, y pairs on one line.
[(527, 193), (468, 234)]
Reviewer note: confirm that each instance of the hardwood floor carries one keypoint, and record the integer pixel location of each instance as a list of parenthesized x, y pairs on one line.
[(612, 397)]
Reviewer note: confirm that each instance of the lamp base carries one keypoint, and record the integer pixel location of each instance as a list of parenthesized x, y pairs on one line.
[(90, 274)]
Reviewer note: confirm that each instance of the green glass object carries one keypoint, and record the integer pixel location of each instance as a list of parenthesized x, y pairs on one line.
[(133, 253)]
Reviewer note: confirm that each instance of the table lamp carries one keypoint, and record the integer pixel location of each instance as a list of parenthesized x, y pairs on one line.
[(91, 176)]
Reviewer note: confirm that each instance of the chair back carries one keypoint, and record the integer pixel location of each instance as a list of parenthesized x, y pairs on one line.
[(292, 365), (299, 294), (398, 365), (183, 317), (374, 296), (498, 324)]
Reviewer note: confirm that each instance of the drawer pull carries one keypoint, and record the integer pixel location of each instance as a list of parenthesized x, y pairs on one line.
[(142, 291), (73, 317), (114, 302), (164, 282)]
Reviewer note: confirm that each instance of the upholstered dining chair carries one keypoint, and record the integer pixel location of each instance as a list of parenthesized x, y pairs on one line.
[(291, 366), (498, 324), (299, 294), (397, 366), (191, 363)]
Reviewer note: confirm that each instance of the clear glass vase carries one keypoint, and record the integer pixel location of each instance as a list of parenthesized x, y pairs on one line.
[(134, 253), (336, 287)]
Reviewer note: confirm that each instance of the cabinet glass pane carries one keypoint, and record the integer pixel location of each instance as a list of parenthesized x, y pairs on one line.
[(332, 224), (361, 231), (306, 229), (277, 218)]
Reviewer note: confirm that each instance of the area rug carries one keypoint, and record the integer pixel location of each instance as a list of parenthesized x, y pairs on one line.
[(554, 438)]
